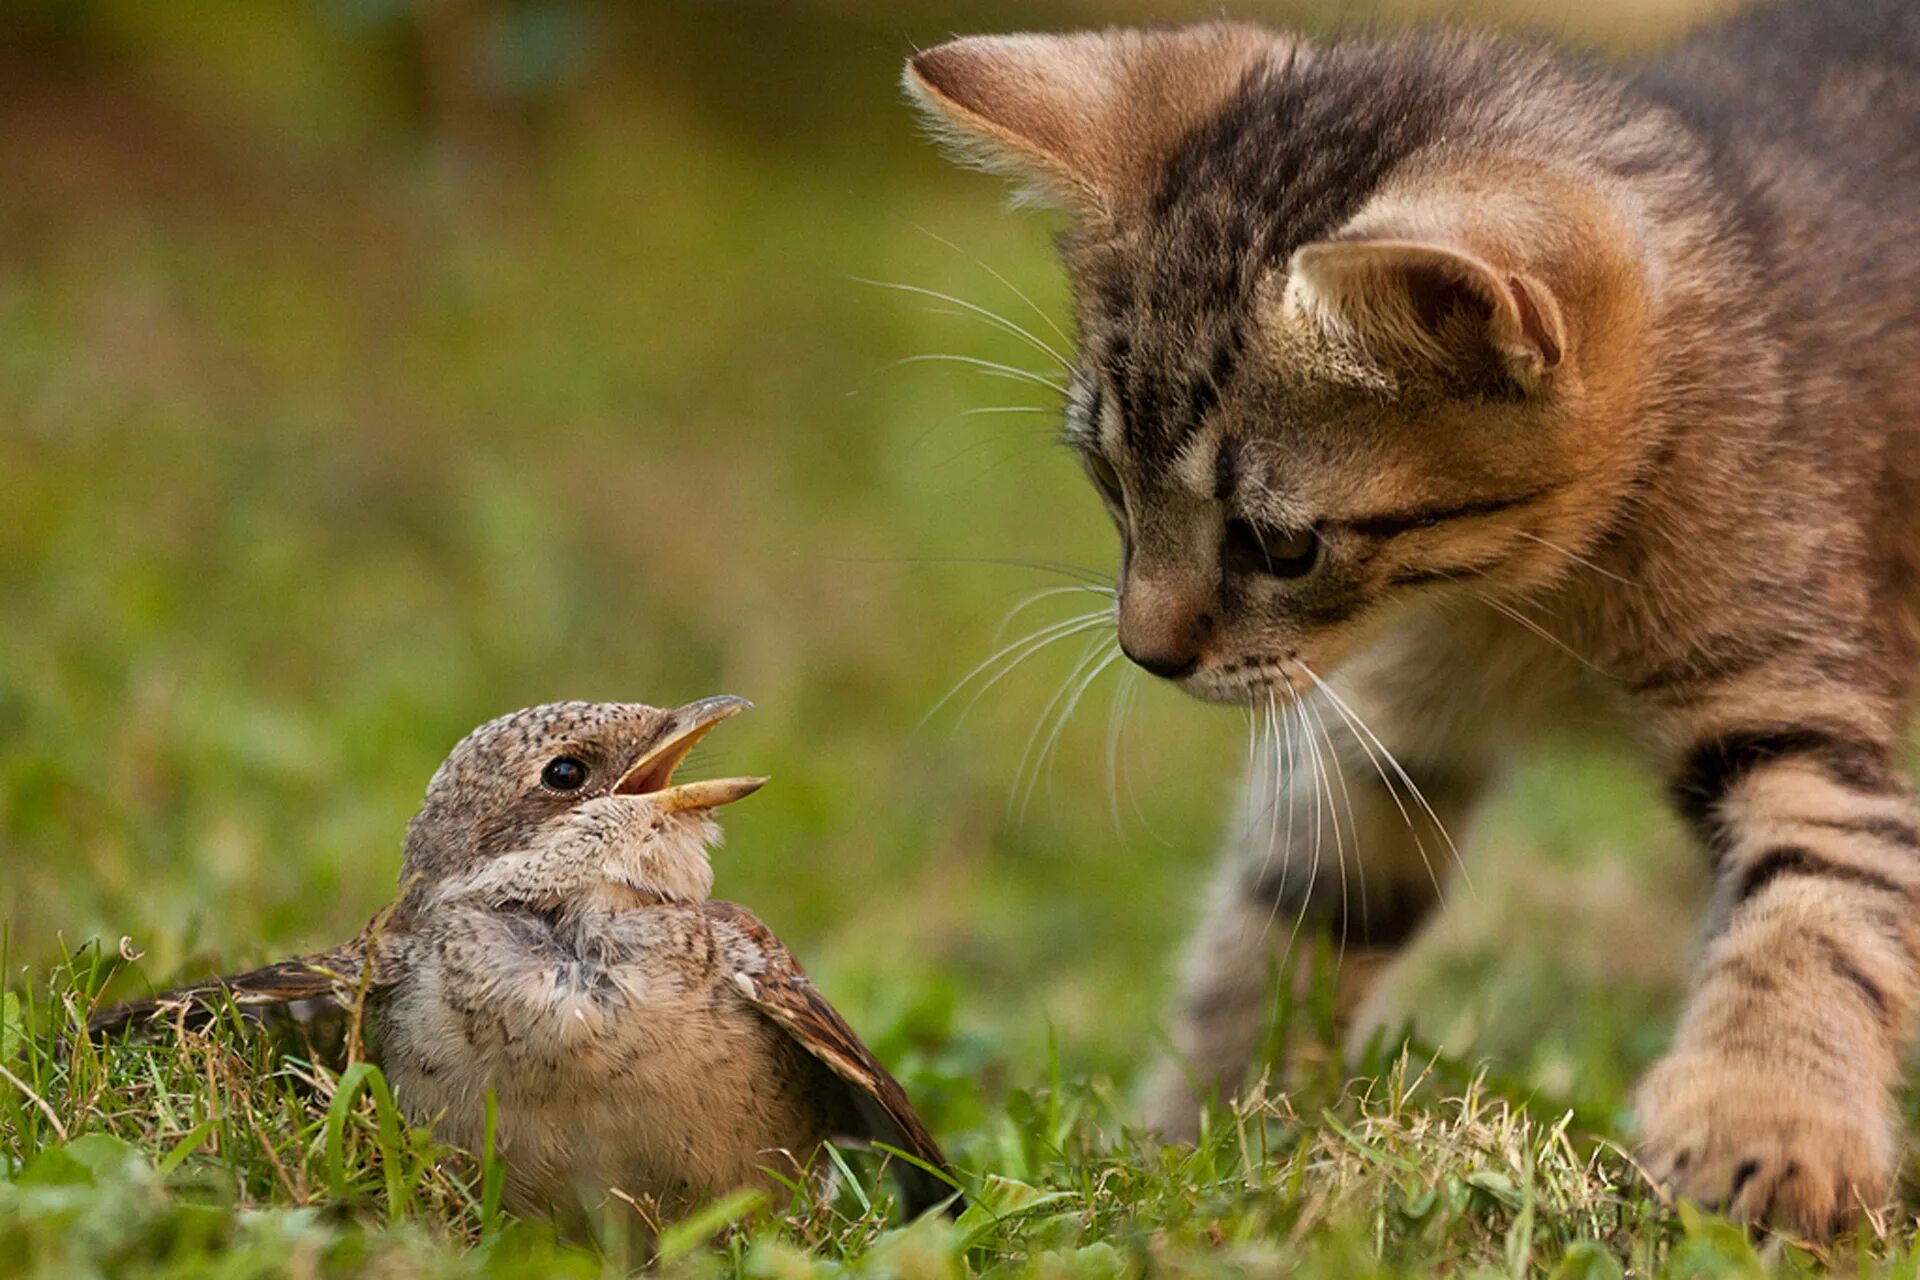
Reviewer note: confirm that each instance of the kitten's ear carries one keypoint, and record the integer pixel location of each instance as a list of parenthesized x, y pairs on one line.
[(1086, 118), (1435, 302)]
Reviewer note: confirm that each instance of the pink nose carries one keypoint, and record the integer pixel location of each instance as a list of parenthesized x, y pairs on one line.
[(1164, 625)]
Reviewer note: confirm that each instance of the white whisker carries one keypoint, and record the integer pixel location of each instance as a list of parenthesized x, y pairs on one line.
[(1097, 623), (1270, 734), (1044, 761), (1360, 732), (992, 368), (1353, 826), (1255, 728), (1413, 787), (1508, 611), (1132, 682), (1088, 658), (1276, 720), (1080, 573), (1292, 768), (1044, 593), (992, 317), (1325, 764), (1259, 732), (1010, 286), (1039, 639), (1116, 727), (1312, 754), (1578, 559)]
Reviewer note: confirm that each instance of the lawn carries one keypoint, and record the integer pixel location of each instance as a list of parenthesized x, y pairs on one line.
[(365, 375)]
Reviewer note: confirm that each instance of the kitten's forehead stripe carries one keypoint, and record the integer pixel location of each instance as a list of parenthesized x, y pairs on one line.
[(1295, 154)]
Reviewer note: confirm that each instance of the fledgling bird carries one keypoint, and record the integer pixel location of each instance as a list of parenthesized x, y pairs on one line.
[(553, 941)]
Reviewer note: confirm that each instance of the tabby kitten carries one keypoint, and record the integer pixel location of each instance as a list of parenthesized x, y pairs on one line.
[(1494, 387)]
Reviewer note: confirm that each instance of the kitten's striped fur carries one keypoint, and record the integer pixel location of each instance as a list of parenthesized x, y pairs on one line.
[(1503, 384)]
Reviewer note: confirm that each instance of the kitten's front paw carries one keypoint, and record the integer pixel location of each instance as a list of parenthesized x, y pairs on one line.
[(1754, 1141)]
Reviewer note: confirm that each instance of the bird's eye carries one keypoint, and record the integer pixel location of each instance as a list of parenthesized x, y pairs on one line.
[(1283, 553), (564, 773), (1106, 478)]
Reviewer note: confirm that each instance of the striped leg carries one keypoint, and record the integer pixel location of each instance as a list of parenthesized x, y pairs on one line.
[(1775, 1102)]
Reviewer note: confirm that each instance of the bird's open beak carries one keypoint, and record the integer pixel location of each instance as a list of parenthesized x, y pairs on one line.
[(653, 775)]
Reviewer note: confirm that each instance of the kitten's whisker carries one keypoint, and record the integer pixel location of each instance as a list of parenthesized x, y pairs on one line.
[(993, 368), (1064, 697), (987, 314), (1353, 826), (1043, 763), (1087, 655), (1277, 720), (1009, 285), (1012, 446), (1094, 624), (1033, 598), (1323, 773), (1271, 812), (1116, 724), (1581, 560), (1259, 731), (1508, 611), (1419, 796), (1312, 754), (1039, 639), (1292, 768), (1050, 410), (1393, 793), (1255, 728), (1092, 577), (1297, 758), (1132, 682)]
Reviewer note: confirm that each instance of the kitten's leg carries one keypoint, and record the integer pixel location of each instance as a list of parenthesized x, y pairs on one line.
[(1329, 836), (1776, 1099)]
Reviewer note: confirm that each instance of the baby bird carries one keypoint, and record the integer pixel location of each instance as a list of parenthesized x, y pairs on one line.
[(553, 941)]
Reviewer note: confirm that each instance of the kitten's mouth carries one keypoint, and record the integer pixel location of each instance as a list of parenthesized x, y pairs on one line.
[(652, 776)]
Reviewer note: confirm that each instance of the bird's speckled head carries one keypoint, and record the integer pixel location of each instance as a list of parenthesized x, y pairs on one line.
[(572, 804)]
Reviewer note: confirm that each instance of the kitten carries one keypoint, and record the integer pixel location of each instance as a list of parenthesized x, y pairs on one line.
[(1501, 384)]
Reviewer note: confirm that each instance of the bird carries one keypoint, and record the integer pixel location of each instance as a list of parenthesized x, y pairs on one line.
[(553, 943)]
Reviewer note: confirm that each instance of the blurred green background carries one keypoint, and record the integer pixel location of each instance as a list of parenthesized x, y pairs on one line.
[(368, 369)]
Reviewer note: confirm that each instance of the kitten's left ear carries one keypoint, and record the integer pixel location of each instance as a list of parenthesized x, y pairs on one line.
[(1085, 118), (1400, 299)]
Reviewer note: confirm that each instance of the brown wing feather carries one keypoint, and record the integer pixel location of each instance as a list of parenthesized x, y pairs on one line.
[(330, 977), (783, 992)]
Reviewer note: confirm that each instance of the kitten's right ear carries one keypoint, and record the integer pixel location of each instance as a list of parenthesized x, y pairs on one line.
[(1434, 302), (1084, 118)]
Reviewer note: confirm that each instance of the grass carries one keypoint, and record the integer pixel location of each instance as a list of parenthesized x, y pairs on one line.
[(349, 397), (220, 1153)]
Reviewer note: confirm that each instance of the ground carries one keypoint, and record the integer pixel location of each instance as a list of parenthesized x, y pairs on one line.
[(349, 396)]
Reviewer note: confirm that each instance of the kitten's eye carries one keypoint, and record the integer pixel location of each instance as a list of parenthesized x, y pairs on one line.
[(1282, 553), (564, 773), (1106, 478)]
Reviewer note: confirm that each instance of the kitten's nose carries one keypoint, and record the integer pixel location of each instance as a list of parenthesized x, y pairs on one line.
[(1168, 667), (1163, 625)]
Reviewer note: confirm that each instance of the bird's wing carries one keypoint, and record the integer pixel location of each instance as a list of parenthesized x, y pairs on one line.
[(324, 982), (782, 991)]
